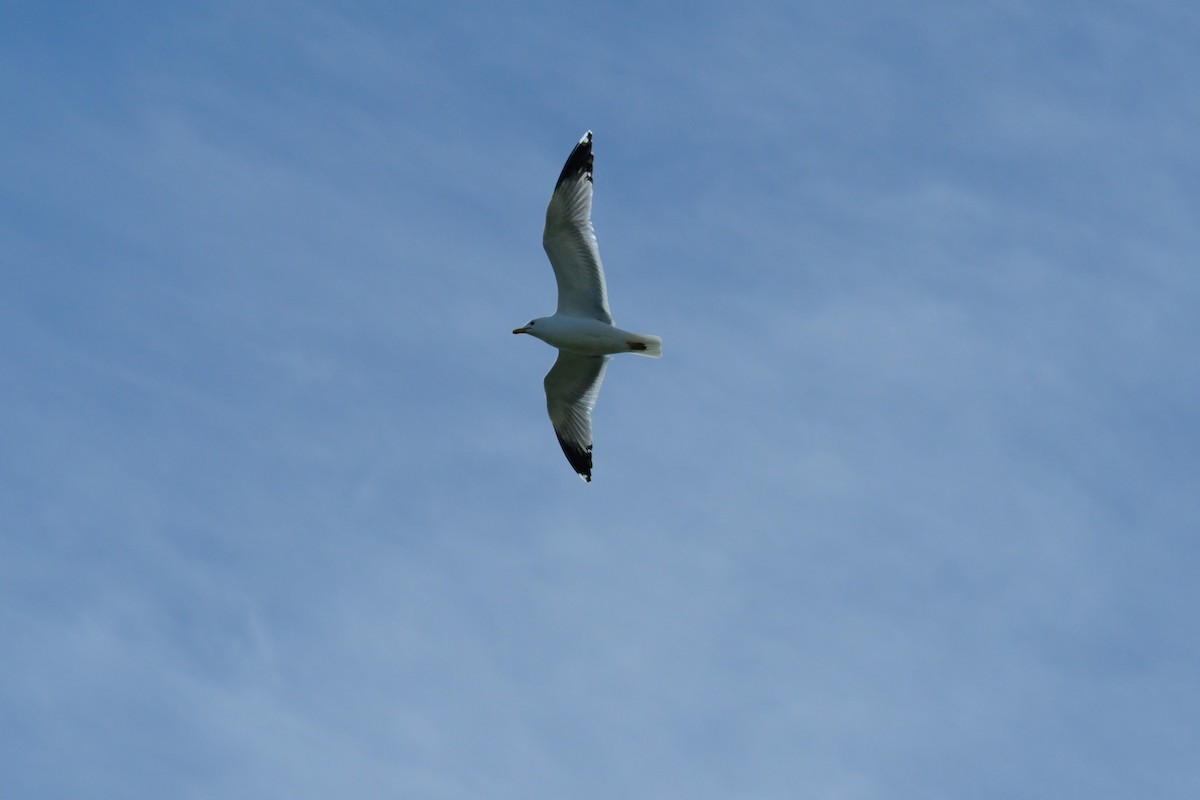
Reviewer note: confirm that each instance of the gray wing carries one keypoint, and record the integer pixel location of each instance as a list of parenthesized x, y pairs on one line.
[(570, 240), (572, 385)]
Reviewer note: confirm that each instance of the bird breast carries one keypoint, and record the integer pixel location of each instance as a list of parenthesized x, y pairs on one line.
[(581, 335)]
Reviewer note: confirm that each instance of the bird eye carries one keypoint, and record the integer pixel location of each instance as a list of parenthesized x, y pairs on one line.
[(531, 323)]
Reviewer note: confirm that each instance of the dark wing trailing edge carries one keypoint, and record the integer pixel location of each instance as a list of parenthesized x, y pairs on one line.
[(580, 459), (579, 163), (572, 385), (570, 240)]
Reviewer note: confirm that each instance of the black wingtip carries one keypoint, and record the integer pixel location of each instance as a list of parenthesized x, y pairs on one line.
[(580, 457), (579, 162)]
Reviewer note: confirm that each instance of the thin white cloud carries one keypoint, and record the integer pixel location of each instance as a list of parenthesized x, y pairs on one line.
[(902, 511)]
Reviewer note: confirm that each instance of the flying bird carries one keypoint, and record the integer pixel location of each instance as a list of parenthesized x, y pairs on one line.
[(582, 327)]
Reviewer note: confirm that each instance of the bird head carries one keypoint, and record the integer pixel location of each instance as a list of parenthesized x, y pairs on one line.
[(528, 327)]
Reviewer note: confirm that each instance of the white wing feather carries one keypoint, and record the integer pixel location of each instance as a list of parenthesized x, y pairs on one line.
[(570, 240), (572, 385)]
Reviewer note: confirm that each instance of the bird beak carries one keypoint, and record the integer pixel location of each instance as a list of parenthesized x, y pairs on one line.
[(521, 330)]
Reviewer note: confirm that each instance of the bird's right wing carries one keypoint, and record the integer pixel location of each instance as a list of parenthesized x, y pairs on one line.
[(570, 240), (572, 386)]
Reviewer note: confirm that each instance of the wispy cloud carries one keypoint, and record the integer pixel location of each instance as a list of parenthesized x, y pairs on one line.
[(904, 509)]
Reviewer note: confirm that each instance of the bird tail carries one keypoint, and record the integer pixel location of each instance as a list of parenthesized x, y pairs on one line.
[(645, 345)]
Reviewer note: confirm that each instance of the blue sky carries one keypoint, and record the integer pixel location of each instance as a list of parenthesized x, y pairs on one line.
[(908, 508)]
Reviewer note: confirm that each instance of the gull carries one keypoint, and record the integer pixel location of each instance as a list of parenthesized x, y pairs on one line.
[(582, 327)]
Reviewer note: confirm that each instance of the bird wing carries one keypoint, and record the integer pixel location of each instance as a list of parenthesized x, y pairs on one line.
[(572, 386), (570, 240)]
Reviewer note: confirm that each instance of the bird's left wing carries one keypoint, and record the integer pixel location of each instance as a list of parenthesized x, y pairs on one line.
[(572, 385), (570, 240)]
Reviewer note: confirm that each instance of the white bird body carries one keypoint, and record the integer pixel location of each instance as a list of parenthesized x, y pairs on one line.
[(591, 337), (581, 328)]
